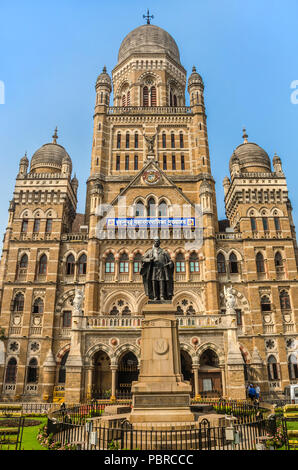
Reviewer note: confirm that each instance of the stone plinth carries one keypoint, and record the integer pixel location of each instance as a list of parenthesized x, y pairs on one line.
[(160, 394)]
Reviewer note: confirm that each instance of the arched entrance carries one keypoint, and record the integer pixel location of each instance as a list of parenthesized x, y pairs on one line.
[(186, 368), (102, 375), (127, 372), (209, 374)]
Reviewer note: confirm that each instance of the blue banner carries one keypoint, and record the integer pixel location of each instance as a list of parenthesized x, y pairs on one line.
[(154, 222)]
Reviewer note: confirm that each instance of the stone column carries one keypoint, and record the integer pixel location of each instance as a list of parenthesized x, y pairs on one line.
[(49, 375), (196, 380), (114, 381), (88, 381)]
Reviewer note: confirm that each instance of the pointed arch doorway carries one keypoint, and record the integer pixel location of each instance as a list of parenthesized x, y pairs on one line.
[(128, 372), (209, 375)]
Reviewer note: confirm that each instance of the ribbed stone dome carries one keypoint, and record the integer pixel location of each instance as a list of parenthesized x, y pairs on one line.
[(250, 157), (148, 39), (49, 156)]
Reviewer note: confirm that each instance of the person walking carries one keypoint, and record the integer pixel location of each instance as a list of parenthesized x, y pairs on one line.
[(257, 399), (252, 392)]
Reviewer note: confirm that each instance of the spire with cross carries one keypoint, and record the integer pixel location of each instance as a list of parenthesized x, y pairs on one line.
[(148, 17)]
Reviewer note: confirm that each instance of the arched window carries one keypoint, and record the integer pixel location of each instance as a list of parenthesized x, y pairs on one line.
[(284, 298), (151, 208), (118, 140), (265, 304), (126, 311), (18, 303), (32, 371), (181, 141), (49, 225), (36, 226), (62, 369), (293, 367), (273, 368), (127, 140), (38, 306), (11, 371), (265, 223), (221, 263), (162, 209), (23, 265), (70, 265), (82, 264), (194, 265), (260, 263), (180, 263), (233, 264), (153, 96), (164, 140), (42, 266), (145, 96), (110, 263), (114, 311), (123, 263), (66, 319), (139, 209), (172, 140), (136, 140), (278, 261), (137, 263)]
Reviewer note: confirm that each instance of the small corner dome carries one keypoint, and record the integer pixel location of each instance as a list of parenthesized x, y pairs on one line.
[(195, 79), (148, 39), (104, 79), (251, 157), (205, 187), (49, 159)]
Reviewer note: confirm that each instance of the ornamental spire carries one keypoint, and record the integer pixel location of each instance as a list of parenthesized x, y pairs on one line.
[(55, 136), (244, 136), (148, 17)]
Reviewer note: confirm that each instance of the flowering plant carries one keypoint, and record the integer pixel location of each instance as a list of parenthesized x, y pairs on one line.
[(277, 440)]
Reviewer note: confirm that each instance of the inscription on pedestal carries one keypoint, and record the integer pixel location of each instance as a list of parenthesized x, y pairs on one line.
[(161, 401)]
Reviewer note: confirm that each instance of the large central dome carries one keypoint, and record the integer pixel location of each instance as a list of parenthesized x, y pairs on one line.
[(148, 39)]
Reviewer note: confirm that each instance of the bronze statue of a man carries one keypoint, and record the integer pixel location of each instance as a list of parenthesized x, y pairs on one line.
[(157, 272)]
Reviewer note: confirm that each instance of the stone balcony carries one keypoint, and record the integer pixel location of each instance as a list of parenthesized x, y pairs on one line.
[(124, 110)]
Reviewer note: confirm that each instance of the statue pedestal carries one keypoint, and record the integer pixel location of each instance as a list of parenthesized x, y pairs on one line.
[(160, 394)]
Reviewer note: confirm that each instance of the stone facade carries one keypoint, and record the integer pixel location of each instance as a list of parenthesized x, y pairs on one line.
[(151, 151)]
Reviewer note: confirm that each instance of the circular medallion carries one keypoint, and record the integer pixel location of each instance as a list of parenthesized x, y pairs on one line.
[(161, 346), (151, 176)]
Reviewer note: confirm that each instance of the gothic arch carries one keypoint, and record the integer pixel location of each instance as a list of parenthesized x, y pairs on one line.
[(215, 348), (100, 347), (61, 301), (127, 347), (61, 353), (190, 350), (114, 296)]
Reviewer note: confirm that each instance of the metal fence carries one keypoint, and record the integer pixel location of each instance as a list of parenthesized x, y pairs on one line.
[(201, 436)]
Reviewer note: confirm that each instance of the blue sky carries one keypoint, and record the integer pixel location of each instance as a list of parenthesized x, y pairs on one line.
[(52, 52)]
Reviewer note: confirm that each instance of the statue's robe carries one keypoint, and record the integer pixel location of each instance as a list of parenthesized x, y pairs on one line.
[(157, 266)]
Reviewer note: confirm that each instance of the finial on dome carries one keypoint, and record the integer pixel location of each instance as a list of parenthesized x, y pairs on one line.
[(244, 136), (55, 136), (104, 69), (148, 17), (194, 68)]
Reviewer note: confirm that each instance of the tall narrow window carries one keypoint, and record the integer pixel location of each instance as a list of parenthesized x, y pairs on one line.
[(43, 263), (70, 265), (137, 263), (32, 371), (139, 209), (173, 140), (194, 266), (136, 162), (11, 371), (265, 304), (110, 263), (49, 225), (145, 96), (284, 298), (124, 263), (175, 103), (127, 162), (233, 264), (118, 162), (278, 261), (173, 162), (153, 96), (181, 141), (25, 226), (164, 141), (62, 369), (164, 165), (180, 263), (221, 263), (277, 223), (82, 264), (36, 225), (123, 100), (38, 306), (260, 263), (273, 369), (265, 223), (151, 208), (18, 303), (253, 224), (128, 98), (127, 140), (182, 162), (293, 367), (136, 140), (162, 209), (66, 319), (118, 140), (23, 265)]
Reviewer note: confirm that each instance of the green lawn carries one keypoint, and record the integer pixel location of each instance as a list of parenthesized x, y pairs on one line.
[(29, 441)]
